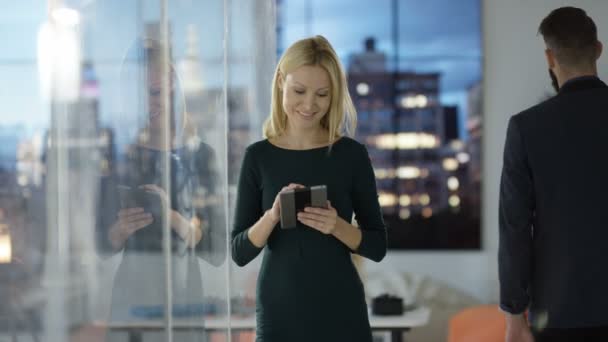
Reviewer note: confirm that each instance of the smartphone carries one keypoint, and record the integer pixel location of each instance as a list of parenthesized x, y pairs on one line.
[(295, 200)]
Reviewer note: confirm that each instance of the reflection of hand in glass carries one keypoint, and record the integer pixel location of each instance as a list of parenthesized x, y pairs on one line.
[(129, 221), (189, 230)]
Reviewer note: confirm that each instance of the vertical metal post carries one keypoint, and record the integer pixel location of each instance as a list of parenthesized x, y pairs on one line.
[(167, 141), (394, 104), (226, 48)]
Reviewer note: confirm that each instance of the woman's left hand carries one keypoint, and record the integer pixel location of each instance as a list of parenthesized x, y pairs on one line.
[(321, 219)]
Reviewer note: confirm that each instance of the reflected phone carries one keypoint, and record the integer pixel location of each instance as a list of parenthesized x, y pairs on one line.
[(295, 200), (139, 198)]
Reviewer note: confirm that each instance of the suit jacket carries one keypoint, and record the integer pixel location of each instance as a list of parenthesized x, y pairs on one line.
[(553, 213)]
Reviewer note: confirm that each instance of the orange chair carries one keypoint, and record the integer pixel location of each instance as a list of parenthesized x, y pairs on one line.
[(484, 323), (242, 336)]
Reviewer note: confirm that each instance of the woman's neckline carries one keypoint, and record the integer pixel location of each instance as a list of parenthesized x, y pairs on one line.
[(303, 150)]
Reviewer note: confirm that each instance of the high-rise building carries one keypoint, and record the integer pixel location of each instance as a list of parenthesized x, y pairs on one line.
[(409, 135), (450, 124)]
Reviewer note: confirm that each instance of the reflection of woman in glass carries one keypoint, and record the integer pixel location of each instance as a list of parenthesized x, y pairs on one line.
[(308, 288), (168, 174)]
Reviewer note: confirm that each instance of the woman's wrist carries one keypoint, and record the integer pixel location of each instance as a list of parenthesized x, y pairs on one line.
[(268, 215), (182, 227), (348, 234), (117, 237), (340, 227), (259, 232), (188, 230)]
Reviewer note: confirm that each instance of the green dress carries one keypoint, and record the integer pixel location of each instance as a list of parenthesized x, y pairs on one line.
[(308, 288)]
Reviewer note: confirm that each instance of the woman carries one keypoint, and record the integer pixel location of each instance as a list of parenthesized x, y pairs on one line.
[(167, 176), (308, 288)]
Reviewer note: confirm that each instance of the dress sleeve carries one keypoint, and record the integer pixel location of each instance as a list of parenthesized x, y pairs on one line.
[(248, 211), (367, 209)]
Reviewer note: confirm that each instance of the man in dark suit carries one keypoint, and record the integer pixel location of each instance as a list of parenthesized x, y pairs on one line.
[(553, 252)]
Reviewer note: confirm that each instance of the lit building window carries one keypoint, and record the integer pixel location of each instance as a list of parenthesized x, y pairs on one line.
[(387, 200), (463, 157), (363, 89), (427, 140), (386, 141), (457, 145), (405, 200), (422, 101), (408, 102), (424, 199), (417, 101), (406, 141), (453, 183), (392, 173), (450, 164), (408, 172), (454, 201), (380, 173), (427, 212), (404, 214)]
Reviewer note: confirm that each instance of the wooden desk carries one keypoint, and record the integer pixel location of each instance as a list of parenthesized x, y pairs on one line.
[(397, 325)]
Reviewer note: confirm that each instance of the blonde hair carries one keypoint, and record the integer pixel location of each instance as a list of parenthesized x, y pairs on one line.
[(341, 118)]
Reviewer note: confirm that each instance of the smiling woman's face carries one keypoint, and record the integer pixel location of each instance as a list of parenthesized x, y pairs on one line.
[(155, 100), (306, 96)]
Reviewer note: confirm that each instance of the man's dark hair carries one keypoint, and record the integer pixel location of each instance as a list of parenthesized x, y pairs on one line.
[(572, 35)]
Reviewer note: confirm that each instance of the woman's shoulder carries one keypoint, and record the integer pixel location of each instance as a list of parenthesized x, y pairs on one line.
[(349, 145), (258, 147), (348, 142)]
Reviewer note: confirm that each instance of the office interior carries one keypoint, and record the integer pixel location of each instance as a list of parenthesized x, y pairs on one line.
[(73, 93)]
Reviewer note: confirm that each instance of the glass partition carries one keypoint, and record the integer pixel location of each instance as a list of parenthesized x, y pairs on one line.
[(121, 136)]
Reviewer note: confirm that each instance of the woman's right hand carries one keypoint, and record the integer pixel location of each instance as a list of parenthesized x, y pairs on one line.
[(258, 233), (275, 211), (129, 221)]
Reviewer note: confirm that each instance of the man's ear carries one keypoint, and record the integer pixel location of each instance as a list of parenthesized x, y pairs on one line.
[(550, 56), (600, 47)]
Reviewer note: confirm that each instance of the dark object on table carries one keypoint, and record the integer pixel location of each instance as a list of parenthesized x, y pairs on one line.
[(387, 305)]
